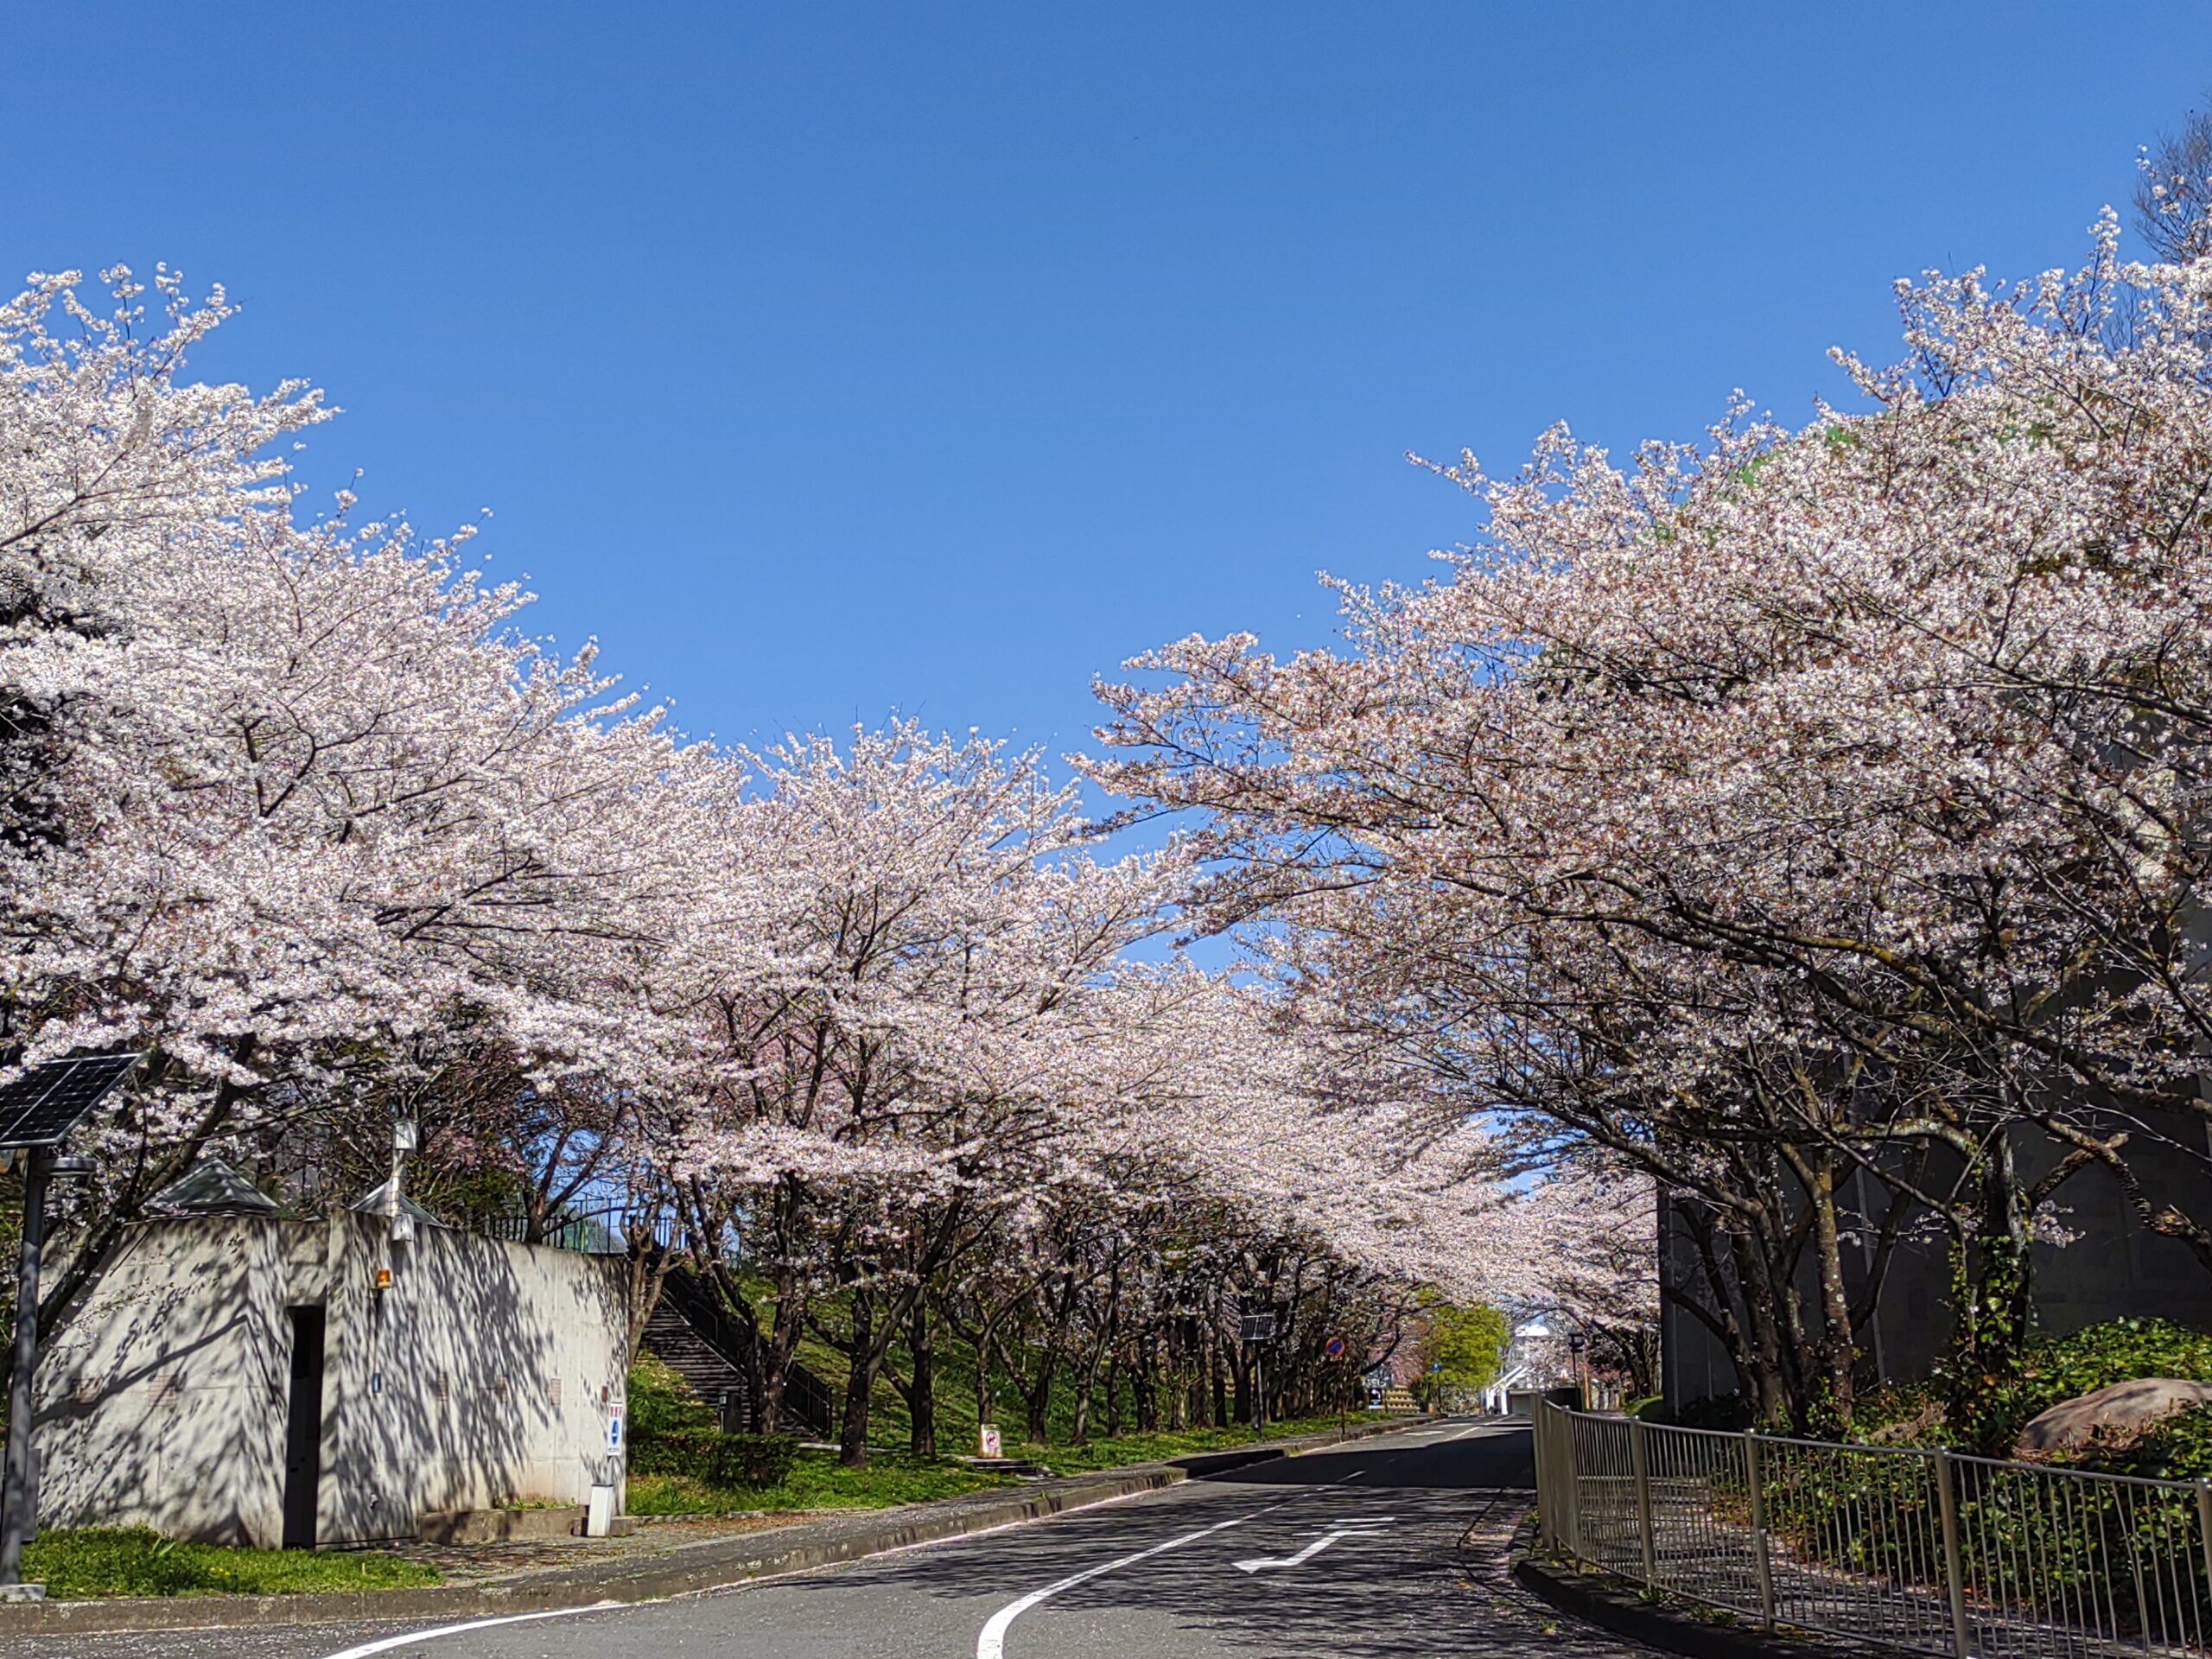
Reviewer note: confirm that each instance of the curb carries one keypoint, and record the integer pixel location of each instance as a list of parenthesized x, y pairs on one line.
[(1615, 1604), (710, 1566)]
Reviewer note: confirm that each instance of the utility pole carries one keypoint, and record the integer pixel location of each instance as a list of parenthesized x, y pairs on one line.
[(18, 1497), (16, 1518), (38, 1109)]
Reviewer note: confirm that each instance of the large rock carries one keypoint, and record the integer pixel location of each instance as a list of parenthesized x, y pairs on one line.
[(2111, 1416)]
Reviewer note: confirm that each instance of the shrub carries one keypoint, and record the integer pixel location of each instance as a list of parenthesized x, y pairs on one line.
[(2062, 1368), (718, 1459), (2179, 1448)]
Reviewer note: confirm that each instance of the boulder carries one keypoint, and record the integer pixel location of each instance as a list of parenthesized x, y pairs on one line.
[(2110, 1416)]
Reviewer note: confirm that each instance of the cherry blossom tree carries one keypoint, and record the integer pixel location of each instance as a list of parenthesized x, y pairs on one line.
[(1793, 806), (296, 802), (856, 1030)]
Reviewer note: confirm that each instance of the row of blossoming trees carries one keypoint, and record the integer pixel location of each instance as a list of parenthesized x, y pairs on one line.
[(858, 1033), (1812, 820)]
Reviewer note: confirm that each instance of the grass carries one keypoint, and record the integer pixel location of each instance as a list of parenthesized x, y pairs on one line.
[(818, 1481), (97, 1562), (1102, 1453)]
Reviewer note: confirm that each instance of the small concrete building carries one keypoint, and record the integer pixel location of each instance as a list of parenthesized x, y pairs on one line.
[(236, 1378)]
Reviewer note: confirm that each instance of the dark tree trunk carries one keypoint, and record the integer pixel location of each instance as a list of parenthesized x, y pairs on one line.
[(921, 1397), (1039, 1400), (860, 1383)]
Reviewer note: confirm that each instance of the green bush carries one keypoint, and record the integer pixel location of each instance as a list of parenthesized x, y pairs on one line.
[(661, 1402), (718, 1459), (2180, 1448), (2062, 1368)]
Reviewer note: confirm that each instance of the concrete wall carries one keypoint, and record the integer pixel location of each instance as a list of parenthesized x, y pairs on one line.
[(484, 1374)]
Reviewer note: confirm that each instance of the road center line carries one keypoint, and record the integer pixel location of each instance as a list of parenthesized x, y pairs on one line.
[(389, 1643)]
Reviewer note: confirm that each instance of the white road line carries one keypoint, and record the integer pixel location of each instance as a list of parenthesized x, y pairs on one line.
[(991, 1644), (389, 1643)]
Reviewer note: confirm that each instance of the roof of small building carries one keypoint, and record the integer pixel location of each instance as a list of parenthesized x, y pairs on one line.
[(211, 1187), (377, 1201)]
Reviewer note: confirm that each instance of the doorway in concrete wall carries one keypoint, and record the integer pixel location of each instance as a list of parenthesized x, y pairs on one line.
[(304, 1429)]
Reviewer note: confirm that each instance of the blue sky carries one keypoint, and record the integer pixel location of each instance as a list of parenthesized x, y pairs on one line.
[(825, 360)]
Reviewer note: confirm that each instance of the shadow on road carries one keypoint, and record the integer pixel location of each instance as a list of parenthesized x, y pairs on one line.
[(1490, 1460), (1398, 1593)]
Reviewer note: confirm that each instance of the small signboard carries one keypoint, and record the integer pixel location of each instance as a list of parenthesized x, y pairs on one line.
[(1334, 1347), (1259, 1327), (1574, 1342), (987, 1444), (614, 1427)]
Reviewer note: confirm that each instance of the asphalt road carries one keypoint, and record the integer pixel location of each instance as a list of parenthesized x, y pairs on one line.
[(1386, 1549)]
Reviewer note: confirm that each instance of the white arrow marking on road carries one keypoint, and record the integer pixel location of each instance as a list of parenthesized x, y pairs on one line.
[(991, 1644), (1364, 1531)]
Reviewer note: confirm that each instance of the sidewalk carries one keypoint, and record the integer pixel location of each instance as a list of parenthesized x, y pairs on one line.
[(665, 1559)]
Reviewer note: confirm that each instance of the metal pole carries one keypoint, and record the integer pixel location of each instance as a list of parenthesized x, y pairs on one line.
[(15, 1498), (2204, 1539), (1640, 1465), (1551, 1510), (1946, 1505), (1572, 1464), (1752, 1478)]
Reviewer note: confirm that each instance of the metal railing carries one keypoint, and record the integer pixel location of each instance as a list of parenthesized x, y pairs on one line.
[(1910, 1546)]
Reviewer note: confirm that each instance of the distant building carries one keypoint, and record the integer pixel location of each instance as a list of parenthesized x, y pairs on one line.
[(237, 1377)]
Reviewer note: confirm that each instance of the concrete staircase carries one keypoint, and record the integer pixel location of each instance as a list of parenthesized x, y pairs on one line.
[(670, 1336), (702, 1345)]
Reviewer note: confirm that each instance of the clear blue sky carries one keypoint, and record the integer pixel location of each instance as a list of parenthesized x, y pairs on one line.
[(825, 360)]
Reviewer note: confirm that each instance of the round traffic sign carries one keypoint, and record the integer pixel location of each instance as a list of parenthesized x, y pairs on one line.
[(1334, 1347)]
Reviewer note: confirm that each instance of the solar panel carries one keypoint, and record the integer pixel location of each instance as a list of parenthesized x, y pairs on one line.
[(41, 1107)]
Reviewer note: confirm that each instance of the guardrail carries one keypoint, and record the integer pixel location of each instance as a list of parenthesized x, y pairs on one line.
[(1914, 1547)]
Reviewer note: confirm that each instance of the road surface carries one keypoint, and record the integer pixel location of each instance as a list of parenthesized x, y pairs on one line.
[(1388, 1549)]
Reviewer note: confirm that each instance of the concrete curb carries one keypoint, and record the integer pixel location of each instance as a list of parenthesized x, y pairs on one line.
[(1618, 1606), (709, 1566)]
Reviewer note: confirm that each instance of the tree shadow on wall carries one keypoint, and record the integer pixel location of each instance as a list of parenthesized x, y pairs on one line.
[(166, 1400)]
